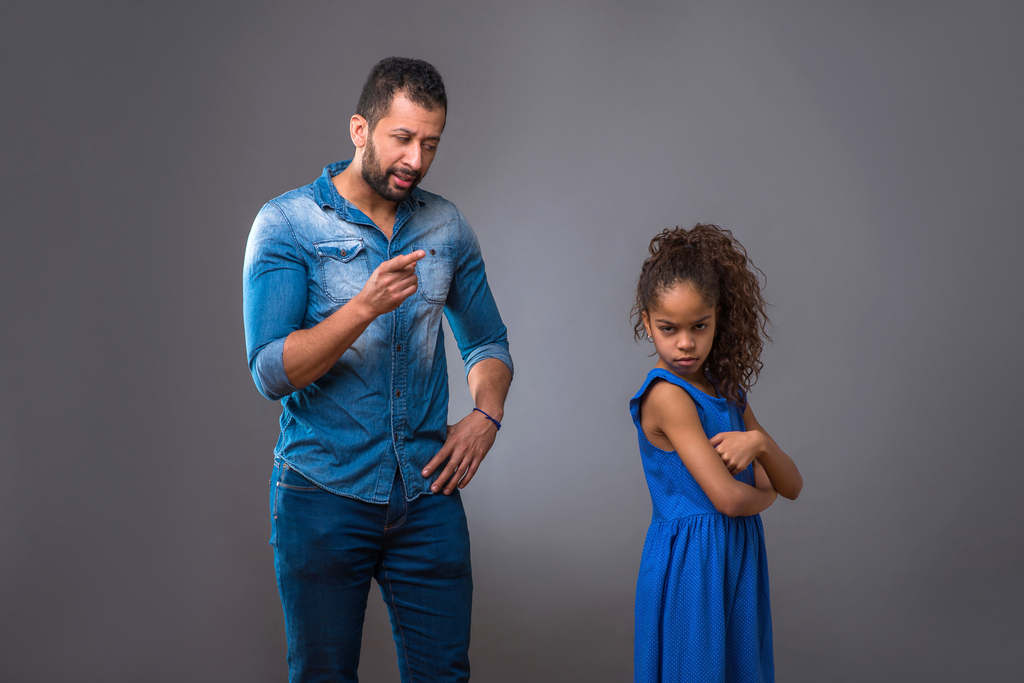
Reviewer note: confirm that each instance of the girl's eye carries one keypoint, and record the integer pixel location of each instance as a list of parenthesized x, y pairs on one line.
[(699, 327), (667, 330)]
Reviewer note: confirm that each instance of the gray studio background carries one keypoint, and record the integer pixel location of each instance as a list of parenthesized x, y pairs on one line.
[(867, 154)]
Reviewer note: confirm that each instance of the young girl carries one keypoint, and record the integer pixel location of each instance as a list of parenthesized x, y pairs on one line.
[(702, 611)]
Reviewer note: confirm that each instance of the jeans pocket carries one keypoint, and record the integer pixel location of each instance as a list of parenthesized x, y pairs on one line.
[(290, 479), (285, 479), (274, 474)]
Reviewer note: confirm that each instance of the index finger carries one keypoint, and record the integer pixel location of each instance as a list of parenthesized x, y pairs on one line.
[(403, 260), (718, 438), (436, 461)]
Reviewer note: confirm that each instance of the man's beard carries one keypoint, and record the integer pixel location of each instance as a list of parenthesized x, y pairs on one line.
[(378, 179)]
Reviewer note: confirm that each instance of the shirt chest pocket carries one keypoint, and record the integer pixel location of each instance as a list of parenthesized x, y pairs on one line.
[(434, 273), (344, 267)]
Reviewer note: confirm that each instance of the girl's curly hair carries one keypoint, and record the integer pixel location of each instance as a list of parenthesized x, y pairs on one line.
[(709, 258)]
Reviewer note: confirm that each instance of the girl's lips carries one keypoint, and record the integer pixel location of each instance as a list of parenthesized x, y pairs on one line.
[(686, 361)]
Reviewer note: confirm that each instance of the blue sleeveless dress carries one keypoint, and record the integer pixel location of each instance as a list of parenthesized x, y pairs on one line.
[(702, 611)]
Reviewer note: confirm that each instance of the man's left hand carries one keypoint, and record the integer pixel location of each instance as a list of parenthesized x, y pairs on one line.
[(466, 446)]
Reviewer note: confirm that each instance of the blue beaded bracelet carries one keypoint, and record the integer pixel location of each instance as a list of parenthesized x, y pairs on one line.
[(496, 423)]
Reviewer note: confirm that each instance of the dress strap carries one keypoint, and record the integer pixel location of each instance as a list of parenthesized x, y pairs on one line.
[(699, 397)]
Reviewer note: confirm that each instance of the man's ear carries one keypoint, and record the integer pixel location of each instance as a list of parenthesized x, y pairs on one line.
[(359, 130)]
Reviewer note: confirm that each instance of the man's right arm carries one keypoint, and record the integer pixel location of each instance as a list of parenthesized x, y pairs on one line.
[(274, 290), (309, 354), (284, 358)]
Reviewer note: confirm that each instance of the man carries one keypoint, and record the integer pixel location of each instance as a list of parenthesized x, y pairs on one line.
[(345, 281)]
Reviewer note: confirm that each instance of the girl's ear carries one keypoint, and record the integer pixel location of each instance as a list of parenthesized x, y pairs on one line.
[(647, 322)]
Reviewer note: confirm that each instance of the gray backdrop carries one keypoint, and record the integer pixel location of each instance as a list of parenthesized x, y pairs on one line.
[(867, 154)]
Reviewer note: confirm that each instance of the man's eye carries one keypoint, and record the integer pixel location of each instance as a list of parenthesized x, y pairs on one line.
[(402, 138)]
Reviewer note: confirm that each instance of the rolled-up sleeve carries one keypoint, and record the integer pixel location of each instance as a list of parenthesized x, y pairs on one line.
[(274, 291), (470, 307)]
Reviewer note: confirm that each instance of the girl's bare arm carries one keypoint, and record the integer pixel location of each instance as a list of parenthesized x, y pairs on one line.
[(668, 413), (739, 449), (781, 469)]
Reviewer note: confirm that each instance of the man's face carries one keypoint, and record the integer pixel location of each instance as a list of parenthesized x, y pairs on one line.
[(401, 148)]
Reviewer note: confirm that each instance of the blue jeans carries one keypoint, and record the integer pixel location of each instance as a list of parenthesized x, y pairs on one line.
[(326, 549)]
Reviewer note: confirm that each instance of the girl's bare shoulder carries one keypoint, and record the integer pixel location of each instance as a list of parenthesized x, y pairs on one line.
[(667, 402)]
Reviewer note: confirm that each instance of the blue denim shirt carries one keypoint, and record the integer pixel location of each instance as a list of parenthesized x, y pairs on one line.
[(384, 404)]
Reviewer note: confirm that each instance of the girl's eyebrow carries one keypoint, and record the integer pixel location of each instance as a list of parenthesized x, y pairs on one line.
[(672, 322)]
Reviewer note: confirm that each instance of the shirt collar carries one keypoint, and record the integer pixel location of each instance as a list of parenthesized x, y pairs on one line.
[(327, 195)]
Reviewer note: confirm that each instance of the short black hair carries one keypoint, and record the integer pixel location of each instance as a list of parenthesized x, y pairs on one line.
[(416, 79)]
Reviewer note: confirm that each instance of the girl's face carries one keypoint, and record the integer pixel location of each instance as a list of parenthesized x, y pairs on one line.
[(683, 327)]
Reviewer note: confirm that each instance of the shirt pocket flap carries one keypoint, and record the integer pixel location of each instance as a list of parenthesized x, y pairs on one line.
[(344, 267), (340, 250)]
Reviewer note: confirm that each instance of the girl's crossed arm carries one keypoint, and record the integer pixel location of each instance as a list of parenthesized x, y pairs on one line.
[(668, 414), (738, 449)]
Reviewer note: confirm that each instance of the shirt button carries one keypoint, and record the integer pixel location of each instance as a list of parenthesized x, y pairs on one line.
[(344, 252), (398, 348), (432, 252), (398, 393)]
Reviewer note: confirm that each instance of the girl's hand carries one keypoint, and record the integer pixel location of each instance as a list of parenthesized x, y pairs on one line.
[(738, 449)]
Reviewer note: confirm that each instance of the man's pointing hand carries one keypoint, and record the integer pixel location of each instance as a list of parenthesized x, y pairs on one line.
[(391, 283)]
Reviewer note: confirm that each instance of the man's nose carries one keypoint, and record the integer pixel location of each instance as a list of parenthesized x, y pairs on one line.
[(414, 157)]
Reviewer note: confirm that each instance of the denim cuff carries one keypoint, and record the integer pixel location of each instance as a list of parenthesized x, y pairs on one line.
[(268, 371), (497, 350)]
